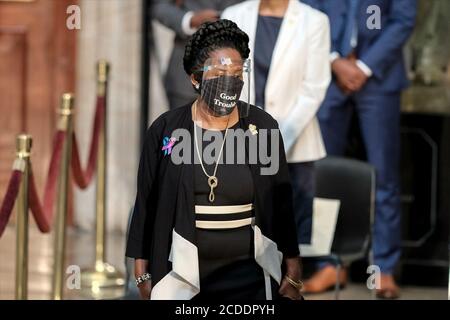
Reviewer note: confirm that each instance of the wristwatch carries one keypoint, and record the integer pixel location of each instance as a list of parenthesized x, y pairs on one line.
[(143, 278)]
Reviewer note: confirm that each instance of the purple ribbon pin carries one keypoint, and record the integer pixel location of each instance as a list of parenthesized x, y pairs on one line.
[(167, 145)]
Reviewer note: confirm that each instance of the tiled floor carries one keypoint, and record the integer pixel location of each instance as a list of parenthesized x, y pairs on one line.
[(360, 292), (80, 251)]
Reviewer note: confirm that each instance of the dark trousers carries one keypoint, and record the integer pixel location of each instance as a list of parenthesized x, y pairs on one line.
[(379, 121), (303, 186)]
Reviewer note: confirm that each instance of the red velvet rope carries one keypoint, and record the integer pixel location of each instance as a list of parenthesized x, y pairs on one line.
[(9, 199), (84, 177), (43, 213)]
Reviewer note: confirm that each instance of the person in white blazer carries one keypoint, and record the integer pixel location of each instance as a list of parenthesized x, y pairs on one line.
[(289, 51)]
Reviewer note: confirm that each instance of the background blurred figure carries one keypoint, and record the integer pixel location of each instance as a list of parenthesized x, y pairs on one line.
[(289, 44), (369, 75), (183, 17), (429, 48)]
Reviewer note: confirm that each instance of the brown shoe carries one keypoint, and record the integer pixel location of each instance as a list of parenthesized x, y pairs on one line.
[(388, 287), (325, 279)]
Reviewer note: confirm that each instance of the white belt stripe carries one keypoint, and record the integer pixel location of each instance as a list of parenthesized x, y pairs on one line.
[(223, 209), (203, 224)]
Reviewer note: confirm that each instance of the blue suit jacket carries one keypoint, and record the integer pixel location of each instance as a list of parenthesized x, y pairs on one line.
[(380, 49)]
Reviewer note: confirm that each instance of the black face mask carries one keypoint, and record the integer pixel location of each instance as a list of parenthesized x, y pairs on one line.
[(222, 93)]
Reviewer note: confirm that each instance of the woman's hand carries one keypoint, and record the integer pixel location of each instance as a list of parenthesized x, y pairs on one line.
[(294, 272), (141, 267), (145, 288), (287, 290)]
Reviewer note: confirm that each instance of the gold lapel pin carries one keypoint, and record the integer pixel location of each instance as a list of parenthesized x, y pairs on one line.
[(252, 129)]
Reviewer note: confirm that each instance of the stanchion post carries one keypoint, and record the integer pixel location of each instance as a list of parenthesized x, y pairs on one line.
[(66, 124), (104, 275), (100, 208), (23, 148)]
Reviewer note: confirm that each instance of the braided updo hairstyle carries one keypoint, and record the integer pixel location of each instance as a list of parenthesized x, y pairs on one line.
[(212, 36)]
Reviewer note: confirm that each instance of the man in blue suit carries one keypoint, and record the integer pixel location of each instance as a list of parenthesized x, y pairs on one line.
[(368, 77)]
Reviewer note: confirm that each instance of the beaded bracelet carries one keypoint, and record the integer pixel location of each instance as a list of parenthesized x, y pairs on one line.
[(142, 278)]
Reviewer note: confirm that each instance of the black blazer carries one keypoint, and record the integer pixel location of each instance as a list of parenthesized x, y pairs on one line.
[(165, 195)]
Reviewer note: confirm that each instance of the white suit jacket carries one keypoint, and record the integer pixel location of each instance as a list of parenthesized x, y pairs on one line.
[(299, 74)]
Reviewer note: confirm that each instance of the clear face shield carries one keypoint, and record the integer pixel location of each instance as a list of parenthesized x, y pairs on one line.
[(222, 83)]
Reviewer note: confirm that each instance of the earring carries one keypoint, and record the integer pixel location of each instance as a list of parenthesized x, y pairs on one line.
[(197, 86)]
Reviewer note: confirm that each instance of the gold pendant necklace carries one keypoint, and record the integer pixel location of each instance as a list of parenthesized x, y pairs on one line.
[(213, 182)]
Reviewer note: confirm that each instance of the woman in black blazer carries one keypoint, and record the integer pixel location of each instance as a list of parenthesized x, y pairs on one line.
[(222, 229)]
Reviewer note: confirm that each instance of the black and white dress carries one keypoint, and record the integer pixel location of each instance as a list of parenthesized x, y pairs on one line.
[(224, 232), (174, 227)]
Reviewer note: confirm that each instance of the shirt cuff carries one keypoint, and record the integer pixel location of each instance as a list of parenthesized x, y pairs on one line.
[(334, 55), (367, 71), (186, 23), (288, 135)]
